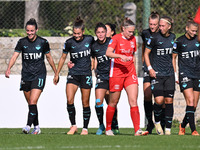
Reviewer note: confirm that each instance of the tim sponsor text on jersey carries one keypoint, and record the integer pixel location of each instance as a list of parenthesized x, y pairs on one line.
[(32, 55), (81, 54)]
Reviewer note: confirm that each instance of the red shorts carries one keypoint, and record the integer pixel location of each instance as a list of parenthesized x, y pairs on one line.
[(118, 83)]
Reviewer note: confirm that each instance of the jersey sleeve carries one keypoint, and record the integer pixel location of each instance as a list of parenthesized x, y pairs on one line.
[(46, 47), (19, 47), (151, 43), (67, 47), (135, 44), (143, 37), (92, 51), (176, 46), (113, 42)]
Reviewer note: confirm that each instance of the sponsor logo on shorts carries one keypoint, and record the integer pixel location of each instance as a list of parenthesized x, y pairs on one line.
[(134, 77), (22, 82), (69, 77), (116, 87)]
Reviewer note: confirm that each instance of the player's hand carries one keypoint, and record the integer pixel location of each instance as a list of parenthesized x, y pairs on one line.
[(56, 79), (70, 64), (7, 73), (152, 73), (126, 58)]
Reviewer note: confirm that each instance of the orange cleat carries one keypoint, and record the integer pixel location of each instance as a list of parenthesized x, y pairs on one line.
[(195, 133), (73, 130), (84, 132), (181, 130)]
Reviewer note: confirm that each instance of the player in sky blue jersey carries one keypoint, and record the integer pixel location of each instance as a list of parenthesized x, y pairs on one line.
[(162, 73), (33, 49), (80, 75), (146, 34), (187, 48)]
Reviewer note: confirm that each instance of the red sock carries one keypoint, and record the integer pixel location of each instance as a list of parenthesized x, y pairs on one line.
[(135, 116), (197, 17), (109, 116)]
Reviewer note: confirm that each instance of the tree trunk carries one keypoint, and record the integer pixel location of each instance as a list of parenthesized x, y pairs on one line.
[(31, 10)]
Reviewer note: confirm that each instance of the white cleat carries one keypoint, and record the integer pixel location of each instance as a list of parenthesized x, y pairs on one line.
[(26, 129), (109, 133)]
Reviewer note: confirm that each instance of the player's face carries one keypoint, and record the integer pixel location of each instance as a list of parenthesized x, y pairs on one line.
[(191, 30), (153, 25), (78, 34), (164, 27), (31, 32), (128, 31), (109, 31), (101, 34)]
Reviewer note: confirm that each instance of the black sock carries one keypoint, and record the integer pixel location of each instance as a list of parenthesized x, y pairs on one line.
[(148, 107), (72, 112), (163, 118), (36, 122), (32, 114), (114, 121), (99, 112), (169, 111), (185, 120), (190, 117), (86, 116), (157, 112)]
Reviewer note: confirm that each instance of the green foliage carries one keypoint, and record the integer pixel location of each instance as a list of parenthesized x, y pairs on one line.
[(175, 123)]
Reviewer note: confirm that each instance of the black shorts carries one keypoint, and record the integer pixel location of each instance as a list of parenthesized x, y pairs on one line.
[(83, 81), (163, 86), (35, 84), (102, 84), (146, 77), (186, 83)]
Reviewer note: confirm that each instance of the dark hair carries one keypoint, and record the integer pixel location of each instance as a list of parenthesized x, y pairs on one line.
[(79, 23), (33, 22), (191, 21), (127, 22), (154, 15), (169, 21), (100, 25), (112, 27)]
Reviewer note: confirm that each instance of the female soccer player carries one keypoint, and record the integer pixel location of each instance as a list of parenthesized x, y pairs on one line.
[(33, 49), (123, 75), (187, 49), (146, 35), (110, 30), (80, 75), (161, 72)]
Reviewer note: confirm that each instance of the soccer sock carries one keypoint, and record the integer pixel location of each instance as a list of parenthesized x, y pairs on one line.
[(99, 112), (109, 116), (36, 122), (31, 114), (185, 120), (72, 112), (169, 111), (86, 116), (157, 112), (114, 121), (135, 116), (148, 107), (190, 117), (163, 118)]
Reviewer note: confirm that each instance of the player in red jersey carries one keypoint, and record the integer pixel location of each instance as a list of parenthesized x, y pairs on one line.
[(123, 75), (197, 20)]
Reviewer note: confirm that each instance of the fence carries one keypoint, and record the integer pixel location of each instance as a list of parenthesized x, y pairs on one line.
[(56, 15)]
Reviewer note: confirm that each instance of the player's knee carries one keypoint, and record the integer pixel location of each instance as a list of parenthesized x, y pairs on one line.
[(98, 103)]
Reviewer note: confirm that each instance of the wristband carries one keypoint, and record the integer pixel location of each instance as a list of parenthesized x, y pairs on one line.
[(149, 67)]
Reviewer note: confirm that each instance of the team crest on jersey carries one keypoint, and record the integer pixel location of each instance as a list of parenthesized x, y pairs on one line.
[(25, 46), (38, 47), (149, 41), (132, 44), (197, 44), (87, 45), (110, 41)]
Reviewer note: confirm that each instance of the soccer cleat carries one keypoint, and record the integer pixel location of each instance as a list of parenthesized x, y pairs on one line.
[(167, 132), (109, 133), (116, 131), (159, 129), (26, 129), (100, 130), (195, 133), (141, 133), (150, 128), (73, 129), (181, 130), (36, 131), (84, 132)]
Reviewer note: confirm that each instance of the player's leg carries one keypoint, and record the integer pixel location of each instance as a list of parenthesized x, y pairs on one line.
[(70, 93)]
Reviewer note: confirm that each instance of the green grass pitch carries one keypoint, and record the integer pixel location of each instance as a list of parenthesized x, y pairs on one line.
[(57, 139)]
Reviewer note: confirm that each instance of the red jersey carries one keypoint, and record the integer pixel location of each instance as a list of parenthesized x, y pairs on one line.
[(121, 45)]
